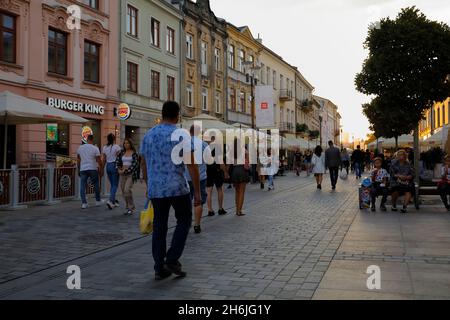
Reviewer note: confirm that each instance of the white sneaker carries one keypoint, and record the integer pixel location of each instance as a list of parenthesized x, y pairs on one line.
[(84, 206), (110, 205), (99, 203)]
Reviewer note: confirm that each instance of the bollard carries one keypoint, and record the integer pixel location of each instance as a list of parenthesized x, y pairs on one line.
[(15, 190), (51, 185)]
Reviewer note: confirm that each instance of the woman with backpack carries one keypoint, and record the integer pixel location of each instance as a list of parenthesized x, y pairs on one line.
[(128, 166)]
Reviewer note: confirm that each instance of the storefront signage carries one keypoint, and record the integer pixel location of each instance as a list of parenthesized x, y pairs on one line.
[(52, 132), (65, 183), (74, 106), (124, 112), (85, 133)]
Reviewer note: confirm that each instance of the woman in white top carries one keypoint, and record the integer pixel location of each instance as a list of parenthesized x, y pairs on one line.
[(109, 154), (318, 163)]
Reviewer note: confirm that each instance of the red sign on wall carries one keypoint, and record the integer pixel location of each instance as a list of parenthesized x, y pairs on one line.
[(264, 105)]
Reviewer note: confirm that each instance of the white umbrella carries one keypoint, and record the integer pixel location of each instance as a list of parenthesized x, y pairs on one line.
[(208, 122), (439, 138), (15, 109)]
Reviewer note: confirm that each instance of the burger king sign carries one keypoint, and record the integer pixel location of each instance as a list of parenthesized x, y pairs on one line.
[(124, 112)]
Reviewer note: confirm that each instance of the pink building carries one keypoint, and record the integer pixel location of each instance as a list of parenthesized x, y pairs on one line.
[(42, 58)]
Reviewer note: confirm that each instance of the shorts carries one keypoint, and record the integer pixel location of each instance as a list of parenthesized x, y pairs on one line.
[(203, 193), (215, 179), (402, 189)]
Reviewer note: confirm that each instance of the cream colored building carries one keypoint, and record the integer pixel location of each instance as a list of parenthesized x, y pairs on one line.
[(331, 122), (282, 76)]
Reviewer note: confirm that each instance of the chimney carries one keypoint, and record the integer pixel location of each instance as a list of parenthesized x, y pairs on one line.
[(259, 39)]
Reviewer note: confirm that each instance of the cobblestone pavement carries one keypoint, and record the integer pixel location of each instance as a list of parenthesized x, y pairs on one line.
[(294, 243)]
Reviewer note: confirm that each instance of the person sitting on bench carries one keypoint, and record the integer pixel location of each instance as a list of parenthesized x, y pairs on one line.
[(402, 180), (444, 184), (379, 184)]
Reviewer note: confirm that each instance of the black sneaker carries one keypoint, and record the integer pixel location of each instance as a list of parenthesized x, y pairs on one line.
[(404, 210), (211, 214), (394, 209), (319, 186), (373, 209), (262, 186), (197, 229), (163, 274), (222, 212), (176, 270)]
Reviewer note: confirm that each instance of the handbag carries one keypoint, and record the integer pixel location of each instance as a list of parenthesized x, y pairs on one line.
[(146, 220)]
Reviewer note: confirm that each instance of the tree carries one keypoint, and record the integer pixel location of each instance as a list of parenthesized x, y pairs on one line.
[(385, 122), (314, 134), (302, 128), (408, 61), (408, 65)]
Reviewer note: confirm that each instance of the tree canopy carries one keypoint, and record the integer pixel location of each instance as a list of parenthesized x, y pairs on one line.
[(409, 64)]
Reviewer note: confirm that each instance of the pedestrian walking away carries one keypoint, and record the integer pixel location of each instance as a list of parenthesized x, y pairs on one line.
[(307, 161), (345, 160), (110, 152), (167, 187), (298, 161), (358, 160), (333, 163), (128, 166), (196, 145), (240, 177), (216, 175), (318, 166), (90, 168)]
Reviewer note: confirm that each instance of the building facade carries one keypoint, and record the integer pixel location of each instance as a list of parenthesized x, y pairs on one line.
[(150, 62), (307, 109), (243, 59), (204, 85), (43, 57), (280, 75), (434, 119), (330, 123)]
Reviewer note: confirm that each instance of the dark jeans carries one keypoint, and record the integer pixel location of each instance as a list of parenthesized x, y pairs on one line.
[(444, 192), (357, 167), (183, 213), (377, 191), (334, 175), (93, 175), (113, 176)]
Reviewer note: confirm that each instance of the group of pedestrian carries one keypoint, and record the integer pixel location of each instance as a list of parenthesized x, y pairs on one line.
[(122, 168), (301, 161)]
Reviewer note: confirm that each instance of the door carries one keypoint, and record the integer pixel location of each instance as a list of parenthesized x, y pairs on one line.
[(11, 144)]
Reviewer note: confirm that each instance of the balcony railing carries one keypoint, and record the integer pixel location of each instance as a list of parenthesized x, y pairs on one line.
[(287, 127), (306, 106), (286, 95)]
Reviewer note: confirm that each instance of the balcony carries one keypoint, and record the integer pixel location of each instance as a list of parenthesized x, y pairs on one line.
[(306, 106), (287, 127), (286, 95)]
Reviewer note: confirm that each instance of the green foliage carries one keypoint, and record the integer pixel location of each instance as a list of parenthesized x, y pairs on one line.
[(302, 128), (314, 134), (408, 65)]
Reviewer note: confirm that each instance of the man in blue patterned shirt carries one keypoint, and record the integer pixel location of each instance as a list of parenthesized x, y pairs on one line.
[(167, 187)]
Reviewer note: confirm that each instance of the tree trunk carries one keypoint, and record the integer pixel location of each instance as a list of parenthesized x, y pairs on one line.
[(417, 155), (396, 143)]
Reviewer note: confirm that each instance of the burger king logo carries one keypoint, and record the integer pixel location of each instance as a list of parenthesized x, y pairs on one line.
[(124, 112), (85, 133)]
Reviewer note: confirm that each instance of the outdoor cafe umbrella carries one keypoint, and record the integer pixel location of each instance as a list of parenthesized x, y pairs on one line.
[(15, 109), (207, 121)]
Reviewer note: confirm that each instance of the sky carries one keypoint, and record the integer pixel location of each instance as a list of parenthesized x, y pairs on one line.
[(324, 39)]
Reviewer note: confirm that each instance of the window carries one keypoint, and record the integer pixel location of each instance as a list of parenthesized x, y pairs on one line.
[(92, 3), (231, 57), (252, 60), (241, 61), (203, 54), (233, 99), (170, 88), (189, 46), (170, 41), (189, 97), (154, 32), (132, 21), (242, 104), (274, 80), (57, 52), (132, 77), (218, 106), (204, 99), (217, 59), (263, 74), (268, 76), (281, 82), (8, 38), (91, 62), (155, 84)]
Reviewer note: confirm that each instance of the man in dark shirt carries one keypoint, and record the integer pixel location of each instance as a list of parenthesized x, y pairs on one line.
[(333, 162), (358, 160)]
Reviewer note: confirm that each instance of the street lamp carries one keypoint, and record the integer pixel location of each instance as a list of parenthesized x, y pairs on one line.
[(253, 81)]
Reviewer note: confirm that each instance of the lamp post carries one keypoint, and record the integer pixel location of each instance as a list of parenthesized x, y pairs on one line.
[(253, 82)]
